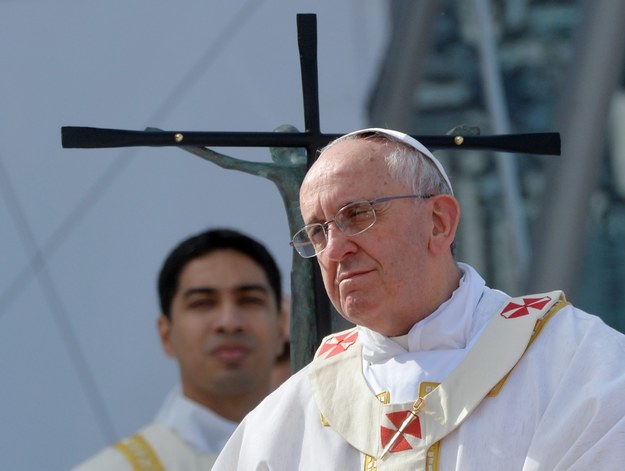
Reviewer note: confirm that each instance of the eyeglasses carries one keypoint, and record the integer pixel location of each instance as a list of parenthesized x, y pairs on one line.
[(352, 219)]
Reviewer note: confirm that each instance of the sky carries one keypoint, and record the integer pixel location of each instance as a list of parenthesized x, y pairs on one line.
[(84, 231)]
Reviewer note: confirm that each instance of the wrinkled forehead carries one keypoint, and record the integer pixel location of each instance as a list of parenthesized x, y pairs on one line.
[(352, 158), (397, 138), (345, 172)]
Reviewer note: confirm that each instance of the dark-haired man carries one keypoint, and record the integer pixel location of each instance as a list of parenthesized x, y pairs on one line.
[(221, 319)]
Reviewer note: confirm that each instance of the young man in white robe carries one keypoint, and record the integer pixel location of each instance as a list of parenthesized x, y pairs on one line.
[(441, 372), (220, 296)]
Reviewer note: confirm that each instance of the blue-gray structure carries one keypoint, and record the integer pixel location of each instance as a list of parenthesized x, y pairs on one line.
[(539, 52)]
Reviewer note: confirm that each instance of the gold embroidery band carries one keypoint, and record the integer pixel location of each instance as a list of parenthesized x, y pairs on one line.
[(370, 462), (432, 455), (139, 454)]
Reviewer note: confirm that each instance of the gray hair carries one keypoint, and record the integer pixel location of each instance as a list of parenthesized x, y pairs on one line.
[(405, 164)]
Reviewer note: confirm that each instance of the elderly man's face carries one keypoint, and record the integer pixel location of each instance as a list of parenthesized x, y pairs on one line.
[(377, 278)]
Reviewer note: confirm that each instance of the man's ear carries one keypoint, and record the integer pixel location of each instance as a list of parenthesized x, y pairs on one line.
[(445, 219), (163, 325)]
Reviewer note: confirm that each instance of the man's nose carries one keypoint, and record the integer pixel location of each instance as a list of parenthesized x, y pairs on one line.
[(338, 244), (230, 318)]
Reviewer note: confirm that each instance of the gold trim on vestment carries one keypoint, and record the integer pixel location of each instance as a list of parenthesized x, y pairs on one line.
[(139, 454), (432, 456), (371, 463)]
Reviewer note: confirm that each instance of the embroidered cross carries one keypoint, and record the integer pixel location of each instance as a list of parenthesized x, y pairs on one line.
[(407, 423), (338, 343), (513, 309)]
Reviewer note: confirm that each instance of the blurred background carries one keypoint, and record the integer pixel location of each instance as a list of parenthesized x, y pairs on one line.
[(84, 231)]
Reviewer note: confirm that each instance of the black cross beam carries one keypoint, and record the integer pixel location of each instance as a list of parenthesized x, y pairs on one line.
[(311, 314)]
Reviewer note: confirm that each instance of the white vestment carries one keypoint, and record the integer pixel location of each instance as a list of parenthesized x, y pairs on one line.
[(562, 406), (184, 436)]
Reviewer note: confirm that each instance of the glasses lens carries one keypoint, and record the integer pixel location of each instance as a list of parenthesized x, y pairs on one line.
[(316, 235), (310, 240), (355, 218)]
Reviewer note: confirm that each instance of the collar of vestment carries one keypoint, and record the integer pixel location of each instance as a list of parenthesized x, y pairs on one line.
[(448, 327), (200, 427), (434, 346), (352, 410)]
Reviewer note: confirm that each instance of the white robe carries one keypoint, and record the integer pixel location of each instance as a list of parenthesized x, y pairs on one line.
[(185, 436), (561, 408)]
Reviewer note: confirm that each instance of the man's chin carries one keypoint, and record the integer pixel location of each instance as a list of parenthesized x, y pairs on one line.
[(234, 381), (357, 310)]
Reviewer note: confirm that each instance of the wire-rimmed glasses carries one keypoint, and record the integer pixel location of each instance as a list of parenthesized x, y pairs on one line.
[(352, 219)]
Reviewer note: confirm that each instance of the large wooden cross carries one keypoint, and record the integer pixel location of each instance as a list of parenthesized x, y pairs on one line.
[(311, 311)]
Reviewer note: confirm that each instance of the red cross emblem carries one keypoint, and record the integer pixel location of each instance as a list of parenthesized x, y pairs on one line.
[(513, 310), (397, 419), (338, 343)]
